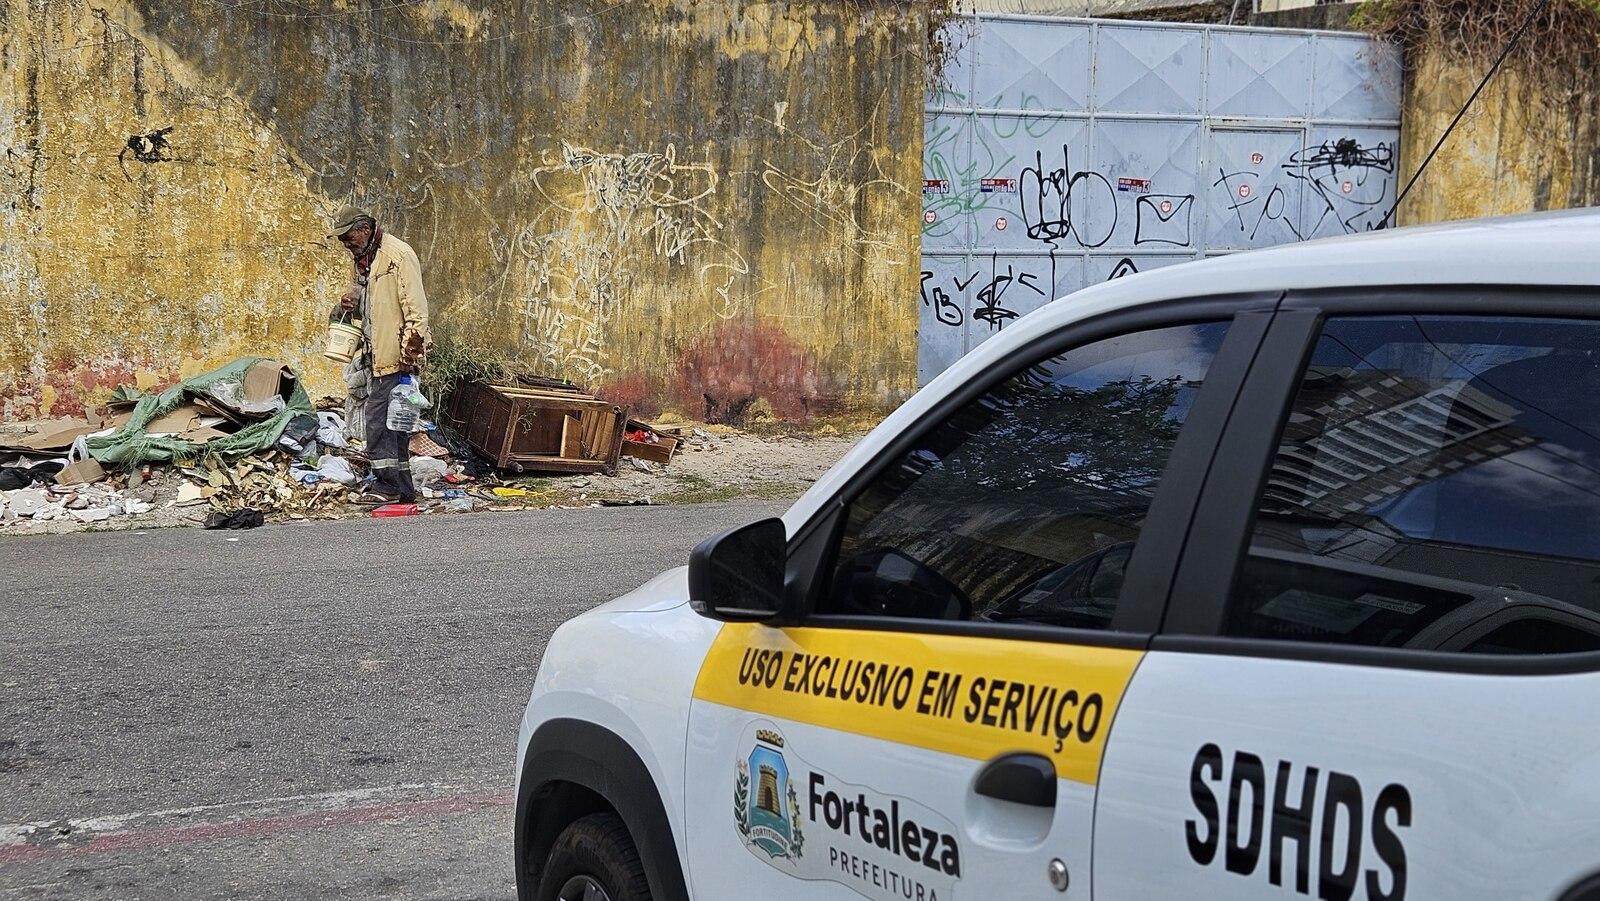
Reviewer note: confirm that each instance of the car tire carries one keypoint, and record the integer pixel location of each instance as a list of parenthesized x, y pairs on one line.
[(594, 859)]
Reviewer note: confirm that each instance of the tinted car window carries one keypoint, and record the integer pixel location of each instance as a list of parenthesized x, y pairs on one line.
[(1024, 504), (1535, 636), (1433, 471)]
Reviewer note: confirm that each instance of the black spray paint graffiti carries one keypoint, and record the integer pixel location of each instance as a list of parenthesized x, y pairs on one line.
[(1350, 183), (1124, 266), (945, 310), (1163, 219), (1349, 180), (990, 307), (1051, 199), (989, 296)]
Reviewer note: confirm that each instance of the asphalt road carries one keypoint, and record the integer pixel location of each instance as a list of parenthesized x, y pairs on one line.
[(317, 710)]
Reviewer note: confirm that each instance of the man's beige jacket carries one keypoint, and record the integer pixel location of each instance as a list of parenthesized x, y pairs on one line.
[(397, 308)]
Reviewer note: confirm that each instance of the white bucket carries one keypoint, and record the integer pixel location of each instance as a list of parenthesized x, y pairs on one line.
[(344, 341)]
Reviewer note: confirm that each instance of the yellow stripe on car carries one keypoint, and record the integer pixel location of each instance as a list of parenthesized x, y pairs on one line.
[(969, 696)]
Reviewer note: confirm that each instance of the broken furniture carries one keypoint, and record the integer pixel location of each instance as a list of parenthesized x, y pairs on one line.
[(538, 429), (650, 442)]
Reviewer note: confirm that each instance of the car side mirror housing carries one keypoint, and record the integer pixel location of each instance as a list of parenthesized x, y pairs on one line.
[(738, 576)]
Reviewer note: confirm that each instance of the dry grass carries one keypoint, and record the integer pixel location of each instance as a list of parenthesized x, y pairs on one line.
[(1562, 42)]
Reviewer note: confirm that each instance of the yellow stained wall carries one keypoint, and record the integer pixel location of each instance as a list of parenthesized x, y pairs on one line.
[(117, 271), (1529, 142), (676, 200)]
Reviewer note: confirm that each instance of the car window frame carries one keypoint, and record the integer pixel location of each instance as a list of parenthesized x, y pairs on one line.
[(814, 545), (1198, 604)]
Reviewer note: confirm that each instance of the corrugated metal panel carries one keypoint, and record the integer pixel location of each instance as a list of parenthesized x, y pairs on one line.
[(1062, 152)]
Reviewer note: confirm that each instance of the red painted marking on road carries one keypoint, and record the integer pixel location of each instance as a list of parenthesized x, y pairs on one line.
[(136, 840)]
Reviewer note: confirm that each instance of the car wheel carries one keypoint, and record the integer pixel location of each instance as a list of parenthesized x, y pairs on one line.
[(594, 859)]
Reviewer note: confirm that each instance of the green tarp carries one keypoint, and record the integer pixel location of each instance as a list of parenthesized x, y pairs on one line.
[(130, 446)]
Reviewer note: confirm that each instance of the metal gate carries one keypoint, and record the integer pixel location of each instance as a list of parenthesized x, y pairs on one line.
[(1064, 152)]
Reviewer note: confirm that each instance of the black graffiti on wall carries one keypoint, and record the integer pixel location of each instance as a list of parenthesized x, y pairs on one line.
[(1054, 203), (1163, 219), (1349, 182), (1341, 180), (990, 305), (946, 311)]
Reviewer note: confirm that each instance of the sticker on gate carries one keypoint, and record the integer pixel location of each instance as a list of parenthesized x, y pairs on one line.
[(816, 825), (969, 696)]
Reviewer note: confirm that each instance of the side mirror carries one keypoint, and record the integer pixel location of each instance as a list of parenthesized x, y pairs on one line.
[(738, 575)]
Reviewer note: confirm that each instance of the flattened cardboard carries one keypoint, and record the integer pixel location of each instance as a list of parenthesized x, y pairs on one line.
[(266, 380), (54, 435), (82, 472)]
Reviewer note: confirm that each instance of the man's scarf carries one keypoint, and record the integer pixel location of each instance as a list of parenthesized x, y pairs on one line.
[(365, 255)]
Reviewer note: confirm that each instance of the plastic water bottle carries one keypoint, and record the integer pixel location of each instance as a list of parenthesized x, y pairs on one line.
[(406, 404)]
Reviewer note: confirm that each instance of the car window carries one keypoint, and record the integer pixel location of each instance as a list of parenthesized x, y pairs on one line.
[(1433, 471), (1024, 505), (1535, 636)]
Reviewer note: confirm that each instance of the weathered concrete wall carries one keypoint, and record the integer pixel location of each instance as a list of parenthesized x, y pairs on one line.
[(692, 200), (1530, 142)]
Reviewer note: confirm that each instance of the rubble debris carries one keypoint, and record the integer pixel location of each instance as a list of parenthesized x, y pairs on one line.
[(26, 501), (92, 514)]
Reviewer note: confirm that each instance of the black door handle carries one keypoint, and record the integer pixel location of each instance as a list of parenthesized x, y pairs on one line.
[(1019, 778)]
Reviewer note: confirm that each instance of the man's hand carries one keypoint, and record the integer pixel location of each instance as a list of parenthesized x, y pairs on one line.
[(347, 301), (411, 353)]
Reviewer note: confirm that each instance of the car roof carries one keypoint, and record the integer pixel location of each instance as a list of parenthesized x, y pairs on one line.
[(1561, 248), (1543, 249)]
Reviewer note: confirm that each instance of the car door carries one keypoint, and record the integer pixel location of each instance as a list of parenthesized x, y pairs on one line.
[(1376, 674), (915, 735)]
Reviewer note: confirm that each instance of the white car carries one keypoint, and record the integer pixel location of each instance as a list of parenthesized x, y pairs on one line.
[(1268, 576)]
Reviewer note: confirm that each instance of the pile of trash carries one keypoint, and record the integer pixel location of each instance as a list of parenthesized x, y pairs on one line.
[(231, 448), (244, 444)]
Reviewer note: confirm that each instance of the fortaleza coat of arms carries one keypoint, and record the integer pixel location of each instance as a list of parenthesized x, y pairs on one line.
[(765, 805)]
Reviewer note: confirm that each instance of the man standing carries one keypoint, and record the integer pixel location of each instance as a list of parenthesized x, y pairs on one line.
[(387, 294)]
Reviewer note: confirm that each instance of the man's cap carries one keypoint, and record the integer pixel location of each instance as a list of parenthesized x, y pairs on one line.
[(346, 219)]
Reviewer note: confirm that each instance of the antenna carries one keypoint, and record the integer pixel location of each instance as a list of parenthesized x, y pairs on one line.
[(1515, 37)]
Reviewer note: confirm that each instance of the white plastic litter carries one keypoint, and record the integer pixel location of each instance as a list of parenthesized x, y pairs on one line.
[(336, 469), (423, 468), (330, 429)]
